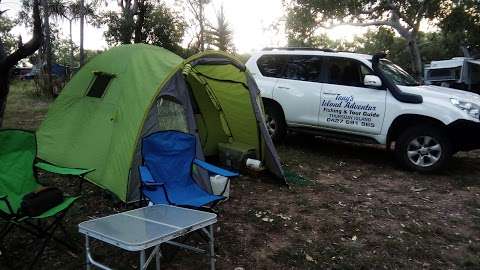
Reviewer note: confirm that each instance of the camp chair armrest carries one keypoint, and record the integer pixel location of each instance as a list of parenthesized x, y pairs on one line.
[(62, 170), (145, 174), (214, 169), (147, 181), (153, 184), (150, 185), (147, 178)]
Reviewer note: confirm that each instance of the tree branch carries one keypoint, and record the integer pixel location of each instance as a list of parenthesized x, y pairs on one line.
[(397, 12), (419, 16), (28, 48), (372, 23), (142, 10)]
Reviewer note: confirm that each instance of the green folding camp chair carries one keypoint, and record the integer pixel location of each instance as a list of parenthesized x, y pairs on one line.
[(70, 172), (17, 155)]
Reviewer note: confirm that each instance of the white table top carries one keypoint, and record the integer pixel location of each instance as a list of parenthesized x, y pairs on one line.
[(146, 227)]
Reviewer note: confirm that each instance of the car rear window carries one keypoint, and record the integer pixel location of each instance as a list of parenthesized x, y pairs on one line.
[(272, 65)]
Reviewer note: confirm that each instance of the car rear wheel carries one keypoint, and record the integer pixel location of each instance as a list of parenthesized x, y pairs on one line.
[(275, 122), (423, 148)]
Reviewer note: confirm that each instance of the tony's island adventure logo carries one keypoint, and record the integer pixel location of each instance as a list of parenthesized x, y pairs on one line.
[(344, 110)]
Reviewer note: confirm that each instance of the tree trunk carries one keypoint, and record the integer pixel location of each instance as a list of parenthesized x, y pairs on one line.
[(4, 86), (48, 84), (71, 51), (7, 62), (4, 89), (82, 22), (142, 10), (128, 26), (202, 26), (416, 58)]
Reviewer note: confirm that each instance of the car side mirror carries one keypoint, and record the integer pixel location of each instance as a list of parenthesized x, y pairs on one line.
[(372, 80)]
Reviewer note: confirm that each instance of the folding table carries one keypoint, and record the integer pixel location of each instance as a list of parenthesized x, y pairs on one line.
[(143, 228)]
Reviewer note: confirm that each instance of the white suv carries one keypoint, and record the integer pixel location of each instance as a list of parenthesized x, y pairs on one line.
[(364, 98)]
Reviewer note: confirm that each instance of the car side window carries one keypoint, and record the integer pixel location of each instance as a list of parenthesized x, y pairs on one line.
[(272, 65), (304, 68), (347, 72)]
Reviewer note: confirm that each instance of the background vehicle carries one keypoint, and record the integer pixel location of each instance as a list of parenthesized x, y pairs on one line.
[(460, 72), (364, 98)]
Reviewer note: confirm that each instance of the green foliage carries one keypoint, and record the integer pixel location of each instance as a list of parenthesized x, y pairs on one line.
[(385, 40), (6, 25), (459, 23), (306, 17), (198, 25), (220, 35), (461, 26), (432, 46), (162, 27), (295, 179), (61, 52), (322, 41)]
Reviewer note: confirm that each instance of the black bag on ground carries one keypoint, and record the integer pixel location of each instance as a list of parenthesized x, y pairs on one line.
[(35, 203)]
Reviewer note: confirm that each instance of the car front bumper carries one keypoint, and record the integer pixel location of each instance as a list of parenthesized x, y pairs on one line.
[(465, 135)]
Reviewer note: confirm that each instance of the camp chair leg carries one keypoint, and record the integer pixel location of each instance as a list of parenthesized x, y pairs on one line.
[(66, 235), (40, 252), (40, 233), (48, 234), (79, 192)]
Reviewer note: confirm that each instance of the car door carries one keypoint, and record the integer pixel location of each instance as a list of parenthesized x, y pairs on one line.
[(346, 103), (299, 89)]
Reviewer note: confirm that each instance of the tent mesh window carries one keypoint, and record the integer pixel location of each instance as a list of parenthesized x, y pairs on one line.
[(171, 115), (99, 85)]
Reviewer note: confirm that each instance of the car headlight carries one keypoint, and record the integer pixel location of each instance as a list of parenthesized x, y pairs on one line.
[(472, 109)]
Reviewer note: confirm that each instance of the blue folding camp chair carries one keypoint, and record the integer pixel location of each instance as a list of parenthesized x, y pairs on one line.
[(166, 173)]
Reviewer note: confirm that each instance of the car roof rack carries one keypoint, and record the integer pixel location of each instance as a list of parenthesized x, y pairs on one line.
[(298, 49)]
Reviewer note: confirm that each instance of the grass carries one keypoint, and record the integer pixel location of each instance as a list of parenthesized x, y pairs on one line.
[(296, 179), (25, 109)]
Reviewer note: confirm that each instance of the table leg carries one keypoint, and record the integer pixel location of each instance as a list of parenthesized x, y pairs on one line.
[(212, 248), (87, 252), (142, 259), (157, 258)]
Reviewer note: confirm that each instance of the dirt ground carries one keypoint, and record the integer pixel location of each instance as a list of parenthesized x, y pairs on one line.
[(355, 209)]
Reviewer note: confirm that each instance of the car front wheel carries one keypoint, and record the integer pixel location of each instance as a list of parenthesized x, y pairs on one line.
[(423, 148)]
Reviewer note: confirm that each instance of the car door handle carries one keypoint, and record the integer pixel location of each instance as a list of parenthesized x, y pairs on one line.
[(284, 87)]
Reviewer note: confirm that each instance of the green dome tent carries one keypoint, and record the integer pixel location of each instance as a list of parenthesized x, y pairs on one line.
[(131, 91)]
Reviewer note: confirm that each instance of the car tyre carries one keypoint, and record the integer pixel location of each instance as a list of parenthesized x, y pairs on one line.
[(275, 122), (423, 148)]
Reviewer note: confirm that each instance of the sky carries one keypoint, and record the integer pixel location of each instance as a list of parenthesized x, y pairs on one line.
[(250, 21)]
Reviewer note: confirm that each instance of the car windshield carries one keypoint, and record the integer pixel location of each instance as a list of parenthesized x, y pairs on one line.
[(397, 74)]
